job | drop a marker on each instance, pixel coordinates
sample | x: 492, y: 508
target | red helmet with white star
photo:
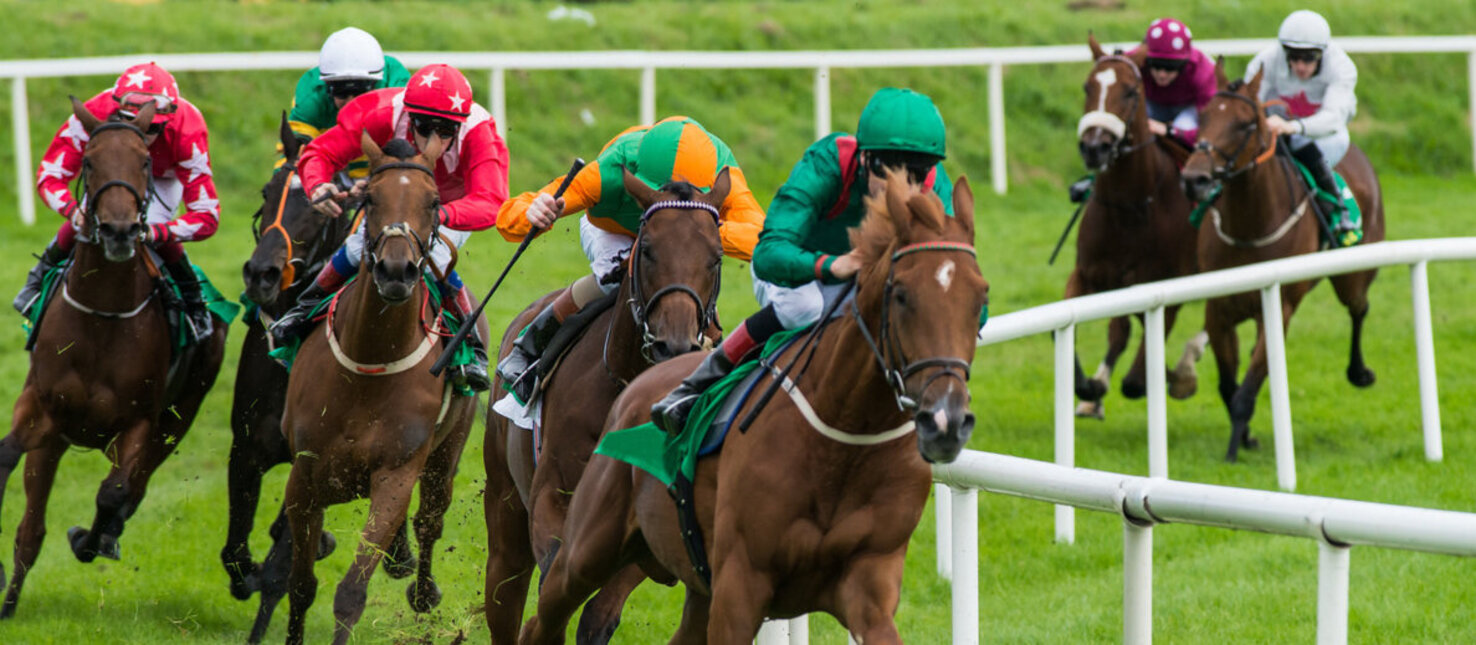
x: 143, y: 83
x: 439, y: 90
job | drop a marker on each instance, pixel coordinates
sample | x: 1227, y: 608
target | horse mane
x: 399, y: 149
x: 682, y: 190
x: 877, y: 234
x: 1235, y: 85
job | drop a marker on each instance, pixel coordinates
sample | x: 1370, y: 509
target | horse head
x: 922, y: 294
x: 402, y: 215
x: 1233, y: 137
x: 677, y: 253
x: 1115, y: 112
x: 117, y: 156
x: 284, y: 219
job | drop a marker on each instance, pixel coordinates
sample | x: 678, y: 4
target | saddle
x: 563, y: 340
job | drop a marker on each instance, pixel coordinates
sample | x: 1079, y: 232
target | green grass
x: 1211, y: 585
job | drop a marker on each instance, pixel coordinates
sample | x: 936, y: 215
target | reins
x: 141, y: 200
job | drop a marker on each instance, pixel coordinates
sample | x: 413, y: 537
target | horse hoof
x: 1361, y: 378
x: 244, y: 579
x: 1182, y: 388
x: 1134, y: 389
x: 76, y: 536
x: 326, y: 545
x: 398, y: 569
x: 1251, y: 443
x: 1092, y: 410
x: 108, y: 547
x: 1091, y: 390
x: 423, y: 598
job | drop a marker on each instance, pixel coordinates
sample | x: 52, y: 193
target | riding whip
x: 775, y: 380
x: 470, y: 324
x: 1066, y: 232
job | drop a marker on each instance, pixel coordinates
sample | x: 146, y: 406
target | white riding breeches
x: 796, y: 306
x: 1333, y: 146
x: 440, y: 254
x: 605, y: 251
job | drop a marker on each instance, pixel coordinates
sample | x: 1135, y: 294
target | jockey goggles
x: 917, y: 166
x: 425, y: 126
x: 1302, y: 55
x: 350, y: 88
x: 1166, y: 64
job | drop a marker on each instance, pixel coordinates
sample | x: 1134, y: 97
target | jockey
x: 804, y: 256
x: 350, y: 63
x: 674, y: 149
x: 179, y: 157
x: 1183, y: 80
x: 1316, y: 79
x: 471, y: 175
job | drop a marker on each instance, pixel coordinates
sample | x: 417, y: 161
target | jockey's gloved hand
x: 325, y: 198
x: 157, y: 234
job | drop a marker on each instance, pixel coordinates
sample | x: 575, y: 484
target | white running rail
x: 497, y: 64
x: 1335, y: 524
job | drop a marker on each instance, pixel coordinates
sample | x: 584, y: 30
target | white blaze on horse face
x: 1106, y: 79
x: 404, y: 181
x: 945, y: 275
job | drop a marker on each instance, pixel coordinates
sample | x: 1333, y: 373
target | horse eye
x: 899, y: 296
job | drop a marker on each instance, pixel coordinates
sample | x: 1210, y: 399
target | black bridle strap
x: 640, y: 306
x: 402, y: 228
x: 140, y: 198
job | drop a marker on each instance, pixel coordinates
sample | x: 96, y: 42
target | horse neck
x: 105, y: 285
x: 1259, y: 200
x: 623, y: 357
x: 1138, y: 175
x: 371, y: 330
x: 846, y: 386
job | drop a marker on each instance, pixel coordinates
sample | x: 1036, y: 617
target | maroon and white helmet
x: 1169, y: 39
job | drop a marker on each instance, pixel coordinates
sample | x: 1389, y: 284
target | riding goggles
x: 349, y: 89
x: 916, y: 166
x: 425, y: 126
x: 1166, y: 64
x: 1303, y: 55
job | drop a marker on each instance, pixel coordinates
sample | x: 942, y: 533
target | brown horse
x: 1136, y: 225
x: 676, y: 259
x: 293, y: 241
x: 100, y: 367
x: 800, y: 516
x: 364, y: 416
x: 1264, y: 204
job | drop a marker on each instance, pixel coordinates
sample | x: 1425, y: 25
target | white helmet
x: 1304, y: 29
x: 350, y: 54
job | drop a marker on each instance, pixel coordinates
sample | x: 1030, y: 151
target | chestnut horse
x: 293, y: 241
x: 99, y: 374
x: 797, y: 515
x: 1261, y: 216
x: 671, y: 287
x: 364, y: 416
x: 1136, y: 225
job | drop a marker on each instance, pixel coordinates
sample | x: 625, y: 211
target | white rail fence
x: 1335, y: 524
x: 821, y: 62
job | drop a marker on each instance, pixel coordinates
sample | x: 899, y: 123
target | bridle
x: 641, y: 306
x: 325, y: 236
x: 403, y: 229
x: 141, y: 198
x: 1229, y: 170
x: 1113, y: 123
x: 889, y: 353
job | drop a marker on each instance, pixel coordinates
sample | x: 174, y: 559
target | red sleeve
x: 332, y: 150
x: 63, y: 158
x: 484, y: 173
x: 191, y: 150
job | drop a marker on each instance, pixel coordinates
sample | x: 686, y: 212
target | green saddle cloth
x: 223, y: 309
x: 666, y: 457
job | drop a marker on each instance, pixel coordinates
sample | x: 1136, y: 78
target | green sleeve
x: 943, y: 188
x: 311, y: 106
x: 395, y: 74
x: 814, y: 184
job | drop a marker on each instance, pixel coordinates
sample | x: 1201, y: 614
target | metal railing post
x: 1332, y: 594
x: 965, y: 502
x: 1137, y: 583
x: 1065, y: 369
x: 943, y: 530
x: 1425, y: 359
x: 996, y: 127
x: 20, y: 120
x: 499, y: 100
x: 1471, y: 90
x: 1286, y: 459
x: 1158, y: 461
x: 822, y: 102
x: 648, y: 95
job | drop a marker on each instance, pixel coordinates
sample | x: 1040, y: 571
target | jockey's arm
x: 780, y: 256
x: 582, y: 193
x: 484, y: 159
x: 742, y: 218
x: 202, y: 205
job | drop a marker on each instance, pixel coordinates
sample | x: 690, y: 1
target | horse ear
x: 643, y: 194
x: 290, y: 143
x: 371, y: 149
x: 719, y: 191
x: 1254, y: 86
x: 900, y: 213
x: 963, y: 205
x: 89, y: 122
x: 433, y: 149
x: 1221, y: 81
x: 144, y: 117
x: 1097, y: 52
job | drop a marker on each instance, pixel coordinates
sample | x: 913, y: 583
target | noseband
x: 1229, y: 170
x: 641, y: 307
x: 1112, y: 122
x: 324, y: 236
x: 403, y: 229
x: 140, y: 197
x: 890, y: 352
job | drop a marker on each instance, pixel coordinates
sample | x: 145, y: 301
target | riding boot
x: 1344, y: 230
x: 196, y: 314
x: 670, y: 413
x: 517, y: 369
x: 48, y: 260
x: 297, y: 322
x: 474, y: 374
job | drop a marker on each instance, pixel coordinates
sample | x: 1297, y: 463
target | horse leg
x: 601, y: 614
x: 1352, y: 290
x: 1243, y: 402
x: 271, y: 578
x: 399, y: 559
x: 1226, y: 347
x: 693, y: 629
x: 868, y: 597
x: 138, y: 452
x: 40, y: 474
x: 509, y: 552
x: 244, y: 493
x: 389, y: 499
x: 1118, y: 331
x: 1183, y: 380
x: 436, y: 481
x: 1135, y: 383
x: 305, y: 519
x: 1090, y: 392
x: 739, y: 596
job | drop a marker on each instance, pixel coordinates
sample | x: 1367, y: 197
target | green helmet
x: 901, y: 119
